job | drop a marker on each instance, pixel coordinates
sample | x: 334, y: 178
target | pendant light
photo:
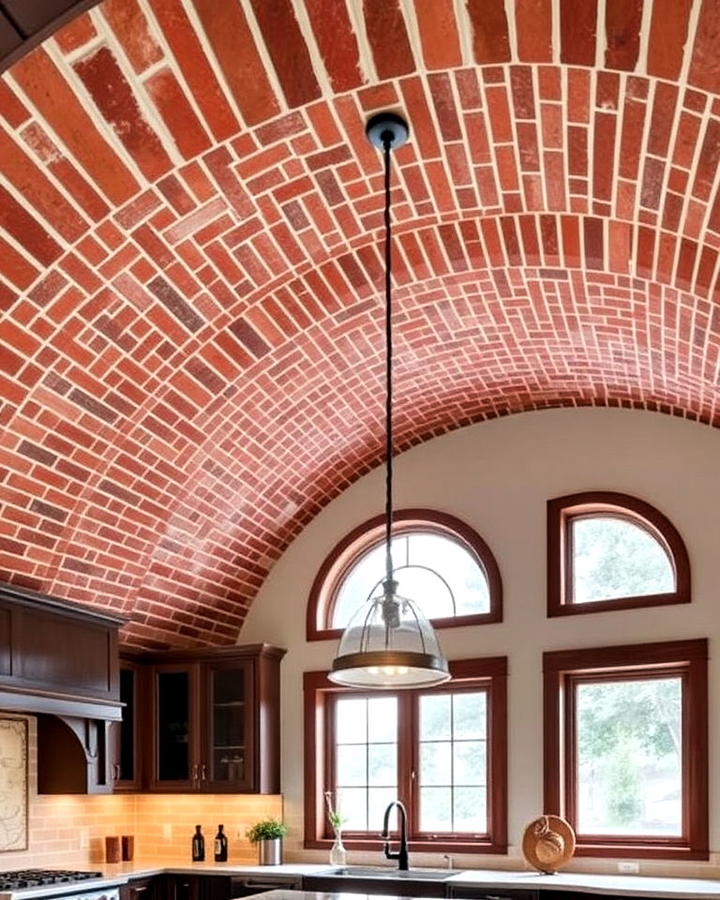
x: 388, y: 643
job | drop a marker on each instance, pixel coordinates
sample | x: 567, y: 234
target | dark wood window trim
x: 346, y: 552
x: 562, y: 670
x: 491, y: 674
x: 560, y: 513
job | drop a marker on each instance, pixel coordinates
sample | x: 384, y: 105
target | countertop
x: 627, y: 885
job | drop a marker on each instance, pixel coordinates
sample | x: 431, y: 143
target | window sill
x: 623, y: 850
x: 454, y: 845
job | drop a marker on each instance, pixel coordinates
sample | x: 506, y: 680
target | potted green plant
x: 268, y: 835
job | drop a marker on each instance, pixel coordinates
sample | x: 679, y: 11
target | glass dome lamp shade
x: 388, y: 644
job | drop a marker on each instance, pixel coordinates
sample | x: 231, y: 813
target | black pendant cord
x: 387, y: 143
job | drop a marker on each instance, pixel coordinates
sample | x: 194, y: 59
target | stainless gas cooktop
x: 22, y: 878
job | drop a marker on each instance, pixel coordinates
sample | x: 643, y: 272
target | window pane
x: 469, y: 715
x: 351, y: 765
x: 382, y: 719
x: 351, y: 721
x: 352, y: 803
x: 615, y: 558
x: 359, y: 582
x: 435, y: 809
x: 453, y: 768
x: 435, y: 717
x: 434, y: 570
x: 629, y: 762
x: 466, y: 579
x: 427, y: 589
x: 436, y: 763
x: 379, y: 800
x: 469, y: 763
x: 382, y: 764
x: 470, y: 810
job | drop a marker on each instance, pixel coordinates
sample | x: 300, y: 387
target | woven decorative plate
x: 548, y: 843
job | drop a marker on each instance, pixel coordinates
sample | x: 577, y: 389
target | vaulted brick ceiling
x: 190, y: 271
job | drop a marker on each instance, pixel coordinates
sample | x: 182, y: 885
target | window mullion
x: 405, y: 751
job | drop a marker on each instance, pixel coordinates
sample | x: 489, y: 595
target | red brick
x: 229, y: 34
x: 11, y: 108
x: 288, y: 51
x: 491, y: 43
x: 196, y: 69
x: 336, y: 42
x: 438, y: 33
x: 388, y: 39
x: 54, y: 99
x: 121, y: 110
x: 177, y: 114
x: 704, y: 72
x: 131, y: 29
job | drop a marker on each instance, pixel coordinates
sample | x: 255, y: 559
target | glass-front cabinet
x: 126, y: 763
x: 215, y: 720
x: 229, y: 747
x: 174, y: 690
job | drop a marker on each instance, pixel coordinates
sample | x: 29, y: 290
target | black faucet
x: 402, y: 854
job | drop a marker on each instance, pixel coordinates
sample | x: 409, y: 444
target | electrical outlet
x: 84, y: 834
x: 628, y: 868
x: 167, y: 832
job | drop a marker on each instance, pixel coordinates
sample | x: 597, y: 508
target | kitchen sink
x: 388, y: 872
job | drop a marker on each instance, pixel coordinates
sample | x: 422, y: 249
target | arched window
x: 611, y: 551
x: 440, y: 562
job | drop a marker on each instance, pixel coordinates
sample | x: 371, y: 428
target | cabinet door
x: 126, y: 768
x: 489, y: 893
x: 140, y: 889
x: 228, y: 758
x: 175, y: 758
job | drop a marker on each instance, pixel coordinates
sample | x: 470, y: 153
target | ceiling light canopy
x: 388, y: 643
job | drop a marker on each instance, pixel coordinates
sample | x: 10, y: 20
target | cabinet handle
x: 117, y: 777
x: 194, y: 775
x: 204, y: 772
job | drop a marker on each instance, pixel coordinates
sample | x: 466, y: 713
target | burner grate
x: 11, y: 881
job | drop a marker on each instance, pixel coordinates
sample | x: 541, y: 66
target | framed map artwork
x: 13, y: 784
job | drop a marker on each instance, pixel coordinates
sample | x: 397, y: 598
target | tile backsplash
x: 70, y: 829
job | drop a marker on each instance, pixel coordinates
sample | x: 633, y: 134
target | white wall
x: 497, y: 476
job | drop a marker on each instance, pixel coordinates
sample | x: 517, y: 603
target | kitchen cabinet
x: 197, y: 887
x: 57, y: 657
x: 492, y: 893
x: 396, y: 887
x: 215, y: 720
x: 126, y: 736
x: 223, y: 887
x: 143, y: 889
x: 74, y: 755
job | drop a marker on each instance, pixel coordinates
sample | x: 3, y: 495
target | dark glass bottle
x: 221, y: 845
x: 198, y: 845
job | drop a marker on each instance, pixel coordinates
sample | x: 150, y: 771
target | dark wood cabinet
x: 57, y: 657
x: 396, y: 887
x: 494, y: 893
x: 215, y: 720
x: 127, y: 735
x: 143, y: 889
